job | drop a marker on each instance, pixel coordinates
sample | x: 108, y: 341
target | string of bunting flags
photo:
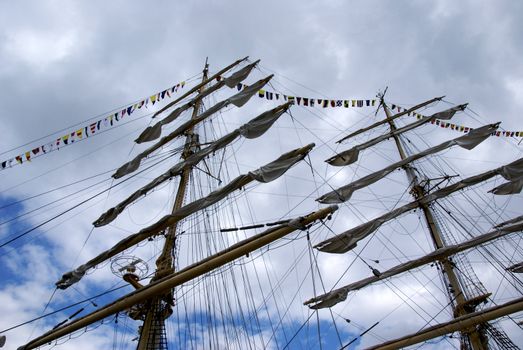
x: 109, y: 121
x: 331, y: 103
x: 91, y: 129
x: 310, y: 102
x: 456, y: 127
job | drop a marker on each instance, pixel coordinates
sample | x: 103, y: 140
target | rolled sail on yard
x: 198, y: 86
x: 348, y: 240
x: 395, y: 116
x: 254, y: 128
x: 350, y: 156
x: 468, y: 141
x: 266, y: 173
x: 153, y: 132
x: 241, y: 97
x: 340, y: 294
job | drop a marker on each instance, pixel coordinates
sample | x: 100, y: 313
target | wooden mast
x: 458, y: 324
x: 200, y: 85
x: 166, y: 284
x: 165, y: 263
x: 395, y: 116
x: 456, y: 292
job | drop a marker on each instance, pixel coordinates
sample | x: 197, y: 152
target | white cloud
x: 61, y: 63
x: 39, y: 49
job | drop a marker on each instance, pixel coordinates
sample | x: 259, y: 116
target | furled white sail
x: 340, y: 294
x: 269, y: 172
x: 240, y: 75
x: 153, y: 132
x: 511, y: 187
x: 198, y: 86
x: 243, y: 96
x: 516, y: 268
x: 348, y: 240
x: 254, y: 128
x: 395, y: 116
x: 468, y: 141
x: 449, y: 113
x: 511, y: 221
x: 350, y: 156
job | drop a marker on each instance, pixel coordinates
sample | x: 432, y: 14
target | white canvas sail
x: 468, y: 141
x: 350, y: 156
x: 266, y: 173
x: 347, y: 240
x: 243, y: 96
x: 255, y: 128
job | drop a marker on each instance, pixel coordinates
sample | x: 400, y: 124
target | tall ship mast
x: 271, y: 237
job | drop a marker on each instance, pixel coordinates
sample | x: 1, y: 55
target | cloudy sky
x: 65, y: 63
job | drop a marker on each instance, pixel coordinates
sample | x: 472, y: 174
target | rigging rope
x: 19, y: 235
x: 62, y: 309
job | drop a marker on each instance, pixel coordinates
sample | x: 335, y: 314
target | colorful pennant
x: 88, y: 130
x: 456, y: 127
x: 110, y: 120
x: 310, y: 102
x: 325, y: 103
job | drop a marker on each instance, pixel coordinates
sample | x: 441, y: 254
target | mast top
x: 206, y: 66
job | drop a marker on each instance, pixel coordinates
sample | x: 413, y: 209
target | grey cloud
x: 74, y: 60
